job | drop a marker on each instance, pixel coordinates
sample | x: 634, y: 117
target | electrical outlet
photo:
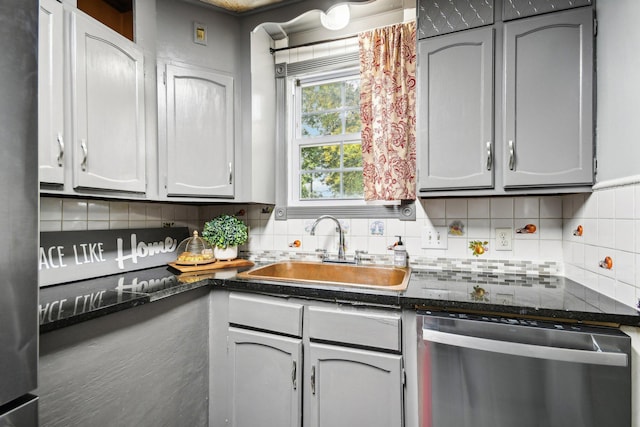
x: 434, y: 237
x: 504, y: 239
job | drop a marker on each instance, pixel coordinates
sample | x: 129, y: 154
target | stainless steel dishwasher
x: 488, y: 371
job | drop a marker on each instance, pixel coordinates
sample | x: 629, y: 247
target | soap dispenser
x: 399, y: 254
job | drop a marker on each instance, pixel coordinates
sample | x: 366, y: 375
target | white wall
x: 174, y: 21
x: 611, y: 222
x: 618, y: 89
x: 611, y: 215
x: 259, y: 163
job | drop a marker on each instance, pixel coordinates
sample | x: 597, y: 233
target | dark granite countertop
x: 510, y: 295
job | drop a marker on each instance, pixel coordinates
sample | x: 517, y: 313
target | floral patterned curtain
x: 388, y: 111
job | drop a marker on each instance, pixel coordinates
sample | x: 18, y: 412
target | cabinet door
x: 50, y: 98
x: 199, y: 132
x: 436, y: 18
x: 353, y: 387
x: 548, y: 100
x: 264, y: 379
x: 455, y: 121
x: 516, y: 9
x: 109, y: 149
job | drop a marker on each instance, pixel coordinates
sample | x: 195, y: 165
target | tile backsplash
x: 610, y: 220
x: 61, y: 214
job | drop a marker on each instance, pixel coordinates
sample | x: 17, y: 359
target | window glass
x: 329, y: 162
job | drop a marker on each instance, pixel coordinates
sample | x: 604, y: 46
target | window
x: 327, y: 157
x: 319, y: 164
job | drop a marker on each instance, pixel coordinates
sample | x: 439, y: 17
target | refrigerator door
x: 19, y: 196
x: 24, y: 413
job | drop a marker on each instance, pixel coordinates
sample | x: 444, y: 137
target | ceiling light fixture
x: 337, y: 18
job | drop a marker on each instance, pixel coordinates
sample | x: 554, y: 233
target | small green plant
x: 224, y: 231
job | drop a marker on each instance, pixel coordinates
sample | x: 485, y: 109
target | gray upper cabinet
x: 108, y: 109
x: 514, y: 9
x: 51, y: 140
x: 442, y: 17
x: 455, y: 125
x: 548, y: 100
x: 508, y: 109
x: 199, y: 113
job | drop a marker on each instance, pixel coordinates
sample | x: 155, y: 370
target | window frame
x: 286, y: 207
x: 296, y: 141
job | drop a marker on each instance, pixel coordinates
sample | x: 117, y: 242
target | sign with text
x: 66, y: 256
x: 73, y: 299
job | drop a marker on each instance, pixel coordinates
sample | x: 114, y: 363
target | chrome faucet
x: 341, y: 245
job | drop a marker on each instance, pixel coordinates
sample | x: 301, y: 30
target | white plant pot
x: 226, y: 254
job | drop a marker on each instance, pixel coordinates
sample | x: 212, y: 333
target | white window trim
x: 285, y: 72
x: 295, y: 140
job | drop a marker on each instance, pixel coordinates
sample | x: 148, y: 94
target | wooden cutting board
x: 238, y: 262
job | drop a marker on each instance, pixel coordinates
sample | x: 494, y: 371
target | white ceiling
x: 365, y: 14
x: 240, y: 6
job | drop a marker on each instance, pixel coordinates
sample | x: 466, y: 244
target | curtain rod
x: 272, y: 50
x: 353, y: 36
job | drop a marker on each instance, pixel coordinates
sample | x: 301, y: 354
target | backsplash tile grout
x: 610, y: 219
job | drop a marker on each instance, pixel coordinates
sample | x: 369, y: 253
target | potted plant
x: 224, y: 233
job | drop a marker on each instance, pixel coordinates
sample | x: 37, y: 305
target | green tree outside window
x: 330, y: 167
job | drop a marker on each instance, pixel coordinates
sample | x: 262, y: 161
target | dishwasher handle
x: 527, y: 350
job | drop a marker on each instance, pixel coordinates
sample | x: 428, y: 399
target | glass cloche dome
x: 194, y: 250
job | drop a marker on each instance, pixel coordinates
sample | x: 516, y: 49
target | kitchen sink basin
x: 323, y: 273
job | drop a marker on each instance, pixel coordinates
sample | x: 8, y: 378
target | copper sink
x: 323, y: 273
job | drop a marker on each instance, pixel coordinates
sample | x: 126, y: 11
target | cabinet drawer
x: 266, y: 313
x: 368, y: 328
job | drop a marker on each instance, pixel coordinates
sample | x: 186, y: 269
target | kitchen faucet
x: 341, y: 245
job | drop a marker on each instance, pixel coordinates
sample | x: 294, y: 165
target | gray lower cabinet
x: 351, y: 373
x: 455, y: 128
x: 199, y: 113
x: 264, y: 379
x: 548, y: 100
x: 354, y: 387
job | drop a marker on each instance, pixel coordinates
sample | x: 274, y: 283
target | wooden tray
x: 238, y: 262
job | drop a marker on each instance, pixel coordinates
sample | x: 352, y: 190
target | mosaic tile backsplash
x: 609, y: 221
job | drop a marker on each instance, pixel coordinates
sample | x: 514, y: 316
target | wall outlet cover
x: 434, y: 237
x: 504, y: 239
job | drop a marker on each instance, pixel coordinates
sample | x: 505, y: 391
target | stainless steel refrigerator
x: 18, y: 212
